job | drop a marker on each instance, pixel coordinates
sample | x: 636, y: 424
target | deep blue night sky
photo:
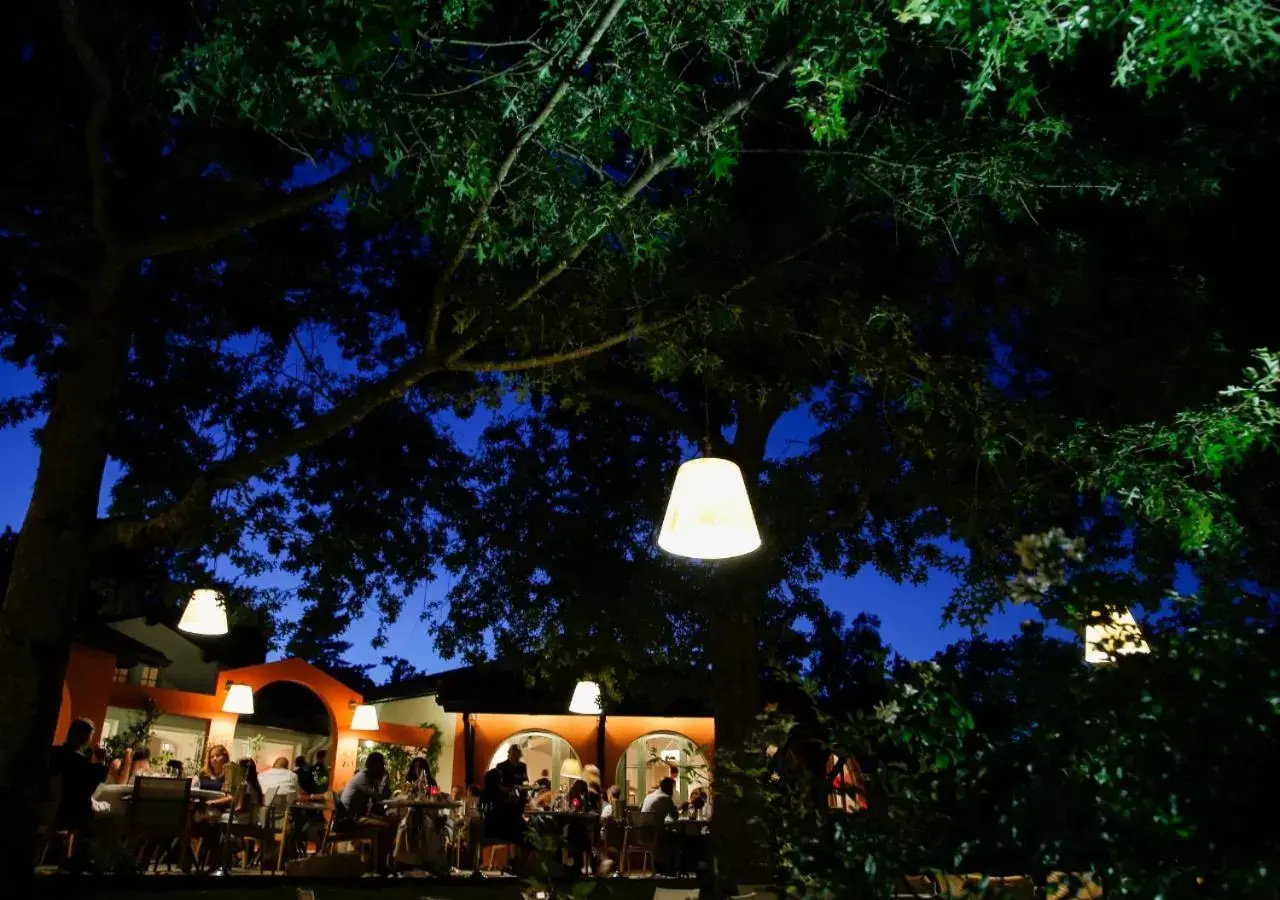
x: 910, y: 616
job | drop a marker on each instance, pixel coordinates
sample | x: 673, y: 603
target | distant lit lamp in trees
x: 239, y: 699
x: 206, y: 614
x: 1112, y: 633
x: 363, y: 717
x: 709, y: 513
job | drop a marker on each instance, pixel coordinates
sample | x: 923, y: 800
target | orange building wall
x: 86, y: 689
x: 89, y: 689
x: 620, y: 732
x: 491, y: 730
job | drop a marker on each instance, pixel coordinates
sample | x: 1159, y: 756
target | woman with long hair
x: 419, y: 769
x: 583, y: 797
x: 213, y: 777
x: 251, y: 799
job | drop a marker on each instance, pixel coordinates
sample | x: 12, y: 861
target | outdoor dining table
x: 125, y: 791
x: 420, y: 841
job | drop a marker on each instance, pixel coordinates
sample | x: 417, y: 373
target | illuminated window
x: 121, y: 676
x: 150, y: 674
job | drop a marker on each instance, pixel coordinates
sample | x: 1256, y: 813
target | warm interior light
x: 1112, y: 634
x: 586, y: 699
x: 205, y: 614
x: 571, y: 768
x: 709, y: 514
x: 365, y: 718
x: 239, y: 700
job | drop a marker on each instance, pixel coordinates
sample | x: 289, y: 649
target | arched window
x: 655, y: 756
x: 544, y: 754
x: 845, y: 780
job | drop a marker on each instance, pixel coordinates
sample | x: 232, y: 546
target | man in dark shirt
x: 306, y: 781
x: 514, y: 772
x: 320, y: 771
x: 76, y: 777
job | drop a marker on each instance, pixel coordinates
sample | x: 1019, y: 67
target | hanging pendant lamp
x: 206, y: 614
x: 709, y: 514
x: 1112, y: 634
x: 239, y: 700
x: 586, y: 699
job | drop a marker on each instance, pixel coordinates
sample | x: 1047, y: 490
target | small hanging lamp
x: 206, y: 614
x: 1111, y: 634
x: 586, y: 699
x: 239, y: 700
x: 364, y: 718
x: 709, y: 514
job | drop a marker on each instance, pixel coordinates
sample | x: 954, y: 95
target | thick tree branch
x: 289, y: 204
x: 646, y: 399
x: 643, y: 180
x: 168, y: 524
x: 94, y: 149
x: 565, y: 356
x: 441, y: 290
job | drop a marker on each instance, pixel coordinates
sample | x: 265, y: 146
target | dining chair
x: 612, y: 835
x: 160, y: 809
x: 259, y: 829
x: 641, y: 836
x: 342, y: 829
x: 47, y: 827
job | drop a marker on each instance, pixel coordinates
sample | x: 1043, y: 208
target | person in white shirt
x: 613, y: 804
x: 660, y: 800
x: 280, y: 779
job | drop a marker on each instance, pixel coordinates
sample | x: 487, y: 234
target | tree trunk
x: 735, y: 692
x: 51, y: 568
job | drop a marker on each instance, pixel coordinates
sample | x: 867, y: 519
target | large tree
x: 167, y: 258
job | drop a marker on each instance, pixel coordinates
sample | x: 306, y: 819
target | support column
x: 469, y: 747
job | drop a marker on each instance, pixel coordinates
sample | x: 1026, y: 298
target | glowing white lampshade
x: 586, y: 699
x: 365, y: 718
x: 709, y: 514
x: 205, y: 614
x: 1111, y: 635
x: 239, y: 700
x: 571, y: 768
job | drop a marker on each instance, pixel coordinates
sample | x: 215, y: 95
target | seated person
x: 75, y: 778
x: 279, y: 782
x: 174, y: 766
x: 660, y: 800
x: 361, y: 801
x: 419, y: 775
x: 577, y: 832
x: 612, y: 808
x: 542, y: 801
